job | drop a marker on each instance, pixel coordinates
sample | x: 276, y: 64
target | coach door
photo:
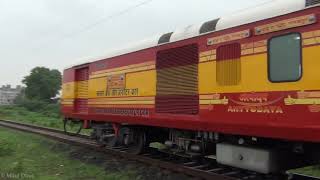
x: 177, y: 81
x: 81, y: 102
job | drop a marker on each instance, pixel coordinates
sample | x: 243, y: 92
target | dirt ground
x: 117, y: 164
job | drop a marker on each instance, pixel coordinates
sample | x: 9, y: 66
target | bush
x: 32, y: 104
x: 51, y: 110
x: 46, y: 118
x: 40, y: 106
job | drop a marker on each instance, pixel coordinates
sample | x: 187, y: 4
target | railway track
x: 206, y: 170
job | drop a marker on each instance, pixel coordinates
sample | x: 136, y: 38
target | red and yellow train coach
x: 246, y: 85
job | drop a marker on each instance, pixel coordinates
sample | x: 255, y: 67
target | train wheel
x: 72, y: 127
x: 133, y: 139
x: 109, y: 140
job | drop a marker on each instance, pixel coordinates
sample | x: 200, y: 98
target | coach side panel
x: 249, y: 101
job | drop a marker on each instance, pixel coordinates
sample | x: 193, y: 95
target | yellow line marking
x: 223, y: 101
x: 310, y: 41
x: 308, y: 101
x: 125, y: 67
x: 121, y: 102
x: 144, y: 68
x: 260, y: 49
x: 123, y: 99
x: 123, y: 106
x: 247, y: 51
x: 207, y: 58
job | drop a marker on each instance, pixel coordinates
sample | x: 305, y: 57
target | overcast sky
x: 57, y: 33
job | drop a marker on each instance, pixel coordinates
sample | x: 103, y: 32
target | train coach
x: 243, y: 89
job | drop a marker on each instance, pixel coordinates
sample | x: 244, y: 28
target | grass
x: 27, y: 156
x: 42, y: 118
x: 21, y: 114
x: 311, y: 171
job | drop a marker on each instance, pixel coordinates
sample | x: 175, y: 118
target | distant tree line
x: 42, y: 86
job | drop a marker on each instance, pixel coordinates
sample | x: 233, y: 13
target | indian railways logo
x: 116, y: 87
x: 255, y: 103
x: 116, y: 81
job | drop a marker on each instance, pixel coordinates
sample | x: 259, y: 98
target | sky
x: 58, y: 33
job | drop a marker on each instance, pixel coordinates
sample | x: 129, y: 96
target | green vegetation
x: 42, y: 84
x: 27, y: 156
x: 36, y: 104
x: 46, y: 117
x: 311, y: 171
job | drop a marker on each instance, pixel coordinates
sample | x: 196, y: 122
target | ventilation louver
x: 165, y: 38
x: 209, y: 26
x: 312, y: 3
x: 229, y: 65
x: 81, y: 101
x: 177, y: 80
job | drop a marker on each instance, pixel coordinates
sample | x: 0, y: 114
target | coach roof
x: 267, y: 10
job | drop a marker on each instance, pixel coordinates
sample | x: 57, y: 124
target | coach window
x: 285, y: 58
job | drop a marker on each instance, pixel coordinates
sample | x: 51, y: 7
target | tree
x: 42, y: 84
x: 20, y: 97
